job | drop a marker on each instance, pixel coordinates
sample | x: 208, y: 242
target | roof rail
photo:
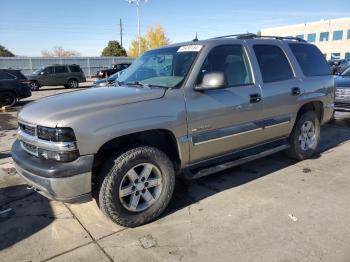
x: 252, y: 36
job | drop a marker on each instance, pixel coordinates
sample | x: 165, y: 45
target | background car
x: 342, y: 91
x: 109, y: 81
x: 67, y: 75
x: 13, y: 87
x: 338, y: 66
x: 112, y: 70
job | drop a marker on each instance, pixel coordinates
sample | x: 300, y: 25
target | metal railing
x: 90, y: 65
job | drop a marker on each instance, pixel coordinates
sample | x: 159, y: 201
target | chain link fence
x: 90, y: 65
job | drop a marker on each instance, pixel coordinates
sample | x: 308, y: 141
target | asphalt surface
x: 272, y: 209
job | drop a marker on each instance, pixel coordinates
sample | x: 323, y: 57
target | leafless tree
x: 59, y: 51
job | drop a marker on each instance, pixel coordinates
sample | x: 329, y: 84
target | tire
x: 34, y: 86
x: 305, y: 137
x: 7, y: 99
x: 72, y: 83
x: 117, y: 187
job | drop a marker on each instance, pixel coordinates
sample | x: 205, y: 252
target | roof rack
x: 252, y: 36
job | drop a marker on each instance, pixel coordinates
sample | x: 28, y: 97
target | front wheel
x: 136, y: 186
x: 305, y: 136
x: 34, y: 86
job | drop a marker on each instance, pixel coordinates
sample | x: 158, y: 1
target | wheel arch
x: 162, y: 139
x: 314, y: 106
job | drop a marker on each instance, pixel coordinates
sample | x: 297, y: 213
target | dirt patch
x: 8, y: 121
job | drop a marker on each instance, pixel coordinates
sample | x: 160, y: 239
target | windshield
x: 36, y: 72
x: 166, y: 67
x: 346, y: 72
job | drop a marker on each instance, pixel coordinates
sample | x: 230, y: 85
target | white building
x: 332, y: 37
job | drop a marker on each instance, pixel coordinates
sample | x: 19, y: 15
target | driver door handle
x: 255, y: 98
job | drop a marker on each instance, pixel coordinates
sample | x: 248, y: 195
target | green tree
x: 4, y: 52
x: 113, y: 48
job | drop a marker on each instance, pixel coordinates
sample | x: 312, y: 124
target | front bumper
x: 66, y: 182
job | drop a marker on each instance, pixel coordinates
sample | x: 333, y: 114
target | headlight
x: 57, y: 155
x: 100, y: 73
x: 61, y: 134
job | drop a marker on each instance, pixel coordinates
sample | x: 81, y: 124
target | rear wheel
x: 7, y: 99
x: 305, y: 136
x: 72, y: 83
x: 34, y: 86
x: 136, y: 186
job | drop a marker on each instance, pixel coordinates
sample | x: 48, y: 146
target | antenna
x: 195, y: 38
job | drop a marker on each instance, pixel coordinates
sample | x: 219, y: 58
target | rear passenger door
x: 61, y: 75
x: 280, y: 88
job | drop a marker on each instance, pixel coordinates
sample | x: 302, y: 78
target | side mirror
x: 212, y: 81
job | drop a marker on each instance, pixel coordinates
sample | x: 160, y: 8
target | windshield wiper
x: 134, y: 83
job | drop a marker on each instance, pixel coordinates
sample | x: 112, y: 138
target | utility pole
x: 137, y: 2
x: 121, y: 32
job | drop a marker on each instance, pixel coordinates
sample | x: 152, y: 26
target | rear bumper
x: 24, y: 92
x: 66, y: 182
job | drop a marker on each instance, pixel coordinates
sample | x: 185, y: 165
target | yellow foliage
x: 134, y: 47
x: 155, y: 37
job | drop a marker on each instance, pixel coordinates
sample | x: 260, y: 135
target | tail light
x: 23, y: 81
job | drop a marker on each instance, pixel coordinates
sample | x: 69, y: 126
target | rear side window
x: 273, y: 63
x: 6, y: 76
x: 310, y: 59
x: 74, y: 68
x: 61, y: 69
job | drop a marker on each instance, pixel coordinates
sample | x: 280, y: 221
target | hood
x: 53, y: 110
x: 342, y: 81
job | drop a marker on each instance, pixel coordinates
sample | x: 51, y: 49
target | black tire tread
x: 106, y: 184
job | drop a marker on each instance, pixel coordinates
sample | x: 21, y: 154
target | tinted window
x: 338, y: 35
x: 310, y: 59
x: 311, y: 37
x: 335, y: 56
x: 6, y: 76
x: 230, y: 60
x: 273, y: 63
x: 348, y: 34
x: 300, y: 36
x: 61, y: 69
x: 48, y: 70
x: 347, y: 56
x: 75, y: 68
x: 324, y: 36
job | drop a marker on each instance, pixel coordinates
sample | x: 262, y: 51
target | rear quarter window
x: 310, y: 59
x: 6, y: 76
x: 74, y: 69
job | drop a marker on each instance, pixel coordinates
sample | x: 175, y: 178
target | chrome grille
x: 28, y: 129
x: 342, y: 93
x: 29, y: 148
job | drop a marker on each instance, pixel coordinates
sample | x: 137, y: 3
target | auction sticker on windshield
x: 190, y: 48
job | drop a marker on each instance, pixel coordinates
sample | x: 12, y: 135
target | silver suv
x: 189, y: 109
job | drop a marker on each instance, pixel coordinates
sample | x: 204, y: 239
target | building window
x: 347, y: 56
x: 311, y: 37
x: 324, y: 36
x: 338, y: 35
x: 300, y: 36
x: 335, y: 56
x: 348, y: 34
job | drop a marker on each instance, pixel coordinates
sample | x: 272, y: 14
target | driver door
x: 224, y: 120
x: 46, y: 76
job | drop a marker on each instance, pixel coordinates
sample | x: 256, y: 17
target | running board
x: 189, y: 174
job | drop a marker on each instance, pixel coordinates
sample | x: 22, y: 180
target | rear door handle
x: 255, y: 98
x: 296, y: 91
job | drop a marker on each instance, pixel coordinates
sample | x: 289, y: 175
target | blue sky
x: 28, y: 27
